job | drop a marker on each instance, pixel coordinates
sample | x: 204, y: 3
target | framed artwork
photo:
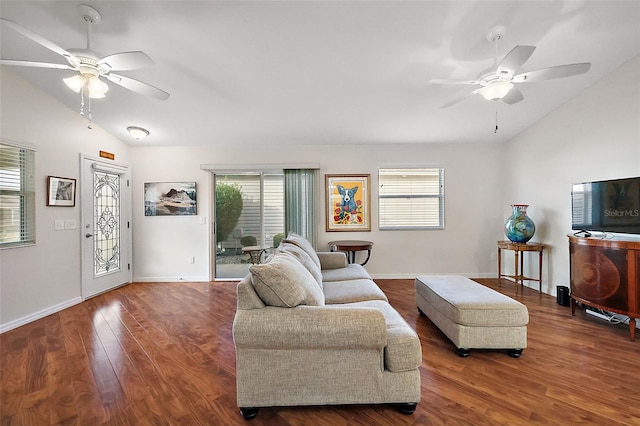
x: 347, y: 203
x: 61, y: 192
x: 169, y: 198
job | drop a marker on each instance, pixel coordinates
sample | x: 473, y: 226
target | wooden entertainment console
x: 605, y: 274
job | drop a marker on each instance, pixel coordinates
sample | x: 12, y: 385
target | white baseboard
x: 169, y: 279
x: 37, y: 315
x: 411, y: 276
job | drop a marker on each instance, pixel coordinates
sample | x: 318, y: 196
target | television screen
x: 607, y: 206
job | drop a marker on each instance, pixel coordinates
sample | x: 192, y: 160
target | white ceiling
x: 325, y: 72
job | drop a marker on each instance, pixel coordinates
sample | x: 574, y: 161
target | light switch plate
x: 58, y: 225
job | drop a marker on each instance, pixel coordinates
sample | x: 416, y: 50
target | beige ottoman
x: 471, y: 315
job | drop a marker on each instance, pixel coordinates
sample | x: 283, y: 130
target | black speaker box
x: 563, y: 295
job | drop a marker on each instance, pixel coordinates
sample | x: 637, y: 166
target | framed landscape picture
x: 169, y: 198
x: 347, y: 203
x: 61, y: 191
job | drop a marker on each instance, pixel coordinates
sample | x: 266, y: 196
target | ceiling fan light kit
x: 95, y: 88
x: 495, y: 90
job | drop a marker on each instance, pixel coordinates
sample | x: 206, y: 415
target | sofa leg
x: 464, y: 352
x: 249, y: 413
x: 407, y: 408
x: 514, y: 353
x: 420, y: 312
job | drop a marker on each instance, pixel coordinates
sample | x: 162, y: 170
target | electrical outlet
x: 58, y: 225
x: 494, y: 257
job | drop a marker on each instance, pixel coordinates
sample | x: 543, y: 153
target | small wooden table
x: 351, y: 247
x: 519, y: 276
x: 255, y: 253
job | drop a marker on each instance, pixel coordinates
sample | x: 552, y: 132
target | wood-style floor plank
x: 163, y: 354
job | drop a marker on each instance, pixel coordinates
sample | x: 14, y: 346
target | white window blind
x: 411, y: 198
x: 17, y: 196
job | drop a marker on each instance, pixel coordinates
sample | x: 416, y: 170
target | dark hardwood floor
x: 163, y: 354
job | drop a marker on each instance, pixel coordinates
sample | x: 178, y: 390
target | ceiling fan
x: 89, y: 65
x: 498, y: 82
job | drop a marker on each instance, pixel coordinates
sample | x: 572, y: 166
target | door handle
x: 87, y: 235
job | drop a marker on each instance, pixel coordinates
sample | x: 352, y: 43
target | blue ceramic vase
x: 519, y: 227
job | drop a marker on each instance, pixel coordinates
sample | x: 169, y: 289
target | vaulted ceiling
x: 323, y: 72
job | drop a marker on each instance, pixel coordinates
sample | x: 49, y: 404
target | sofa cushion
x: 403, y: 351
x: 305, y: 245
x: 303, y: 258
x: 350, y: 272
x: 284, y: 282
x: 352, y: 291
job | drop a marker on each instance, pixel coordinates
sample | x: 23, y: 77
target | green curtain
x: 299, y: 203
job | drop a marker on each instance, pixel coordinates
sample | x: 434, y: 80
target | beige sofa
x: 311, y: 330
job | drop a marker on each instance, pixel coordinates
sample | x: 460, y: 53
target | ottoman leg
x: 464, y: 352
x: 514, y: 353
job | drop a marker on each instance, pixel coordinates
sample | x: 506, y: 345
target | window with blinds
x: 411, y: 198
x: 17, y: 196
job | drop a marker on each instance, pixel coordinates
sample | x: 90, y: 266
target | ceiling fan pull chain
x: 82, y: 101
x: 89, y: 114
x: 496, y: 130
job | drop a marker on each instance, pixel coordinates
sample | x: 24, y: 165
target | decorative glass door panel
x: 107, y: 222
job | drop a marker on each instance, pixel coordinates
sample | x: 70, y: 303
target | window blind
x: 17, y: 196
x: 411, y: 198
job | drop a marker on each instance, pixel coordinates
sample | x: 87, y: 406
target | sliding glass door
x: 249, y: 214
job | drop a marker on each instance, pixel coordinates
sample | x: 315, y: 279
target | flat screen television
x: 606, y: 206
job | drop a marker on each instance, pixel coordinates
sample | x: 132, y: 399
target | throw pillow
x: 285, y: 282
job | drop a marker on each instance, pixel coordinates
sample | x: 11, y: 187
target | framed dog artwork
x: 347, y: 203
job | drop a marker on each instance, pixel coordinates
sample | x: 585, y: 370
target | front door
x: 106, y: 230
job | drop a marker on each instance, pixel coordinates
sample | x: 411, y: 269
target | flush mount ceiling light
x: 137, y: 132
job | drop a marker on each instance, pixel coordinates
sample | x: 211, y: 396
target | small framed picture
x: 61, y: 192
x: 347, y: 203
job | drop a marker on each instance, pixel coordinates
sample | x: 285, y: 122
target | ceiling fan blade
x: 41, y: 41
x: 515, y: 59
x: 34, y: 64
x: 550, y: 73
x: 513, y: 96
x: 138, y: 86
x: 126, y: 61
x: 446, y: 81
x: 456, y: 100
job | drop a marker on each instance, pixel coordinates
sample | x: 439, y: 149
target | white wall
x: 594, y: 136
x: 41, y: 279
x: 162, y: 245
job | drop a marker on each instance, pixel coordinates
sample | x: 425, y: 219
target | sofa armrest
x: 310, y: 327
x: 332, y: 259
